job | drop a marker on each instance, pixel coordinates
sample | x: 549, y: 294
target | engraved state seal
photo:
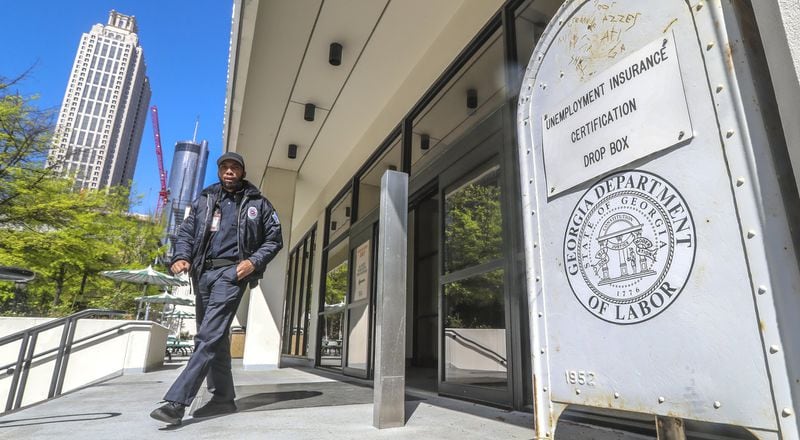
x: 629, y: 247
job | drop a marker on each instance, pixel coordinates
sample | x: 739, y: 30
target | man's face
x: 230, y: 174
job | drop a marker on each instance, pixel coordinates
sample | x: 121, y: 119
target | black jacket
x: 259, y: 235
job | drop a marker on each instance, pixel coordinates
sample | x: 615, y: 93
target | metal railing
x: 27, y: 353
x: 476, y: 346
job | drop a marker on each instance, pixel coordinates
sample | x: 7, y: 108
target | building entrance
x: 460, y: 341
x: 422, y: 366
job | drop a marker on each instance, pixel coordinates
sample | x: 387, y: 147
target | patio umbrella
x: 146, y: 277
x: 165, y: 298
x: 180, y: 314
x: 162, y: 298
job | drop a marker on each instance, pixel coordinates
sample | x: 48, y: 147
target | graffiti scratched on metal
x: 596, y: 34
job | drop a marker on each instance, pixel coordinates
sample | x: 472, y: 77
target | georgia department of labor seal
x: 629, y: 247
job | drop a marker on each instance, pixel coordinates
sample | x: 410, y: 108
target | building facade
x: 430, y: 89
x: 102, y: 117
x: 186, y: 179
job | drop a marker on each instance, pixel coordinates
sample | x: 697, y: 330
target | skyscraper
x: 186, y: 178
x: 102, y: 117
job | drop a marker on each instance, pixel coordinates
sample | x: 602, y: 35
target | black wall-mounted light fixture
x: 335, y: 54
x: 309, y: 112
x: 347, y: 211
x: 424, y: 141
x: 292, y: 151
x: 472, y: 99
x: 333, y: 225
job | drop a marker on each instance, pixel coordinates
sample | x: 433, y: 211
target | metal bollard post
x: 390, y: 325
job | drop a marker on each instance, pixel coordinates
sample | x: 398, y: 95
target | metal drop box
x: 660, y: 210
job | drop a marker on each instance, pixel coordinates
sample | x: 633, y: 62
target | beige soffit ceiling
x: 286, y: 62
x: 408, y: 51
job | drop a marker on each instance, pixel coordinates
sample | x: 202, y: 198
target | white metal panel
x: 582, y: 135
x: 641, y: 282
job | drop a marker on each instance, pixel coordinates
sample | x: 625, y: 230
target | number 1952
x: 580, y: 377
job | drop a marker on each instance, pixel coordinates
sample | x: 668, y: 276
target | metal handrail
x: 477, y: 347
x: 22, y: 366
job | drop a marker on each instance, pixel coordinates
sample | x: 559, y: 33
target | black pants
x: 217, y: 297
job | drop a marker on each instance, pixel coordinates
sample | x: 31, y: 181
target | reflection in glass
x: 531, y: 19
x: 307, y: 306
x: 336, y: 278
x: 475, y: 331
x: 290, y: 292
x: 298, y: 297
x: 332, y: 317
x: 340, y: 217
x: 369, y: 189
x: 473, y: 222
x: 447, y: 117
x: 357, y: 338
x: 297, y: 302
x: 331, y: 343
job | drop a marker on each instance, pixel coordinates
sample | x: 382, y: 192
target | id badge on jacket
x: 215, y: 220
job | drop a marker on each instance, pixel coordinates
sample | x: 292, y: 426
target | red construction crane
x: 164, y: 193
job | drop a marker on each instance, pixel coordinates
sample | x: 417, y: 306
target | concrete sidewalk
x: 276, y: 404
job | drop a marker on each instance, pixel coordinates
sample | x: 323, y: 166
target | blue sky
x: 185, y: 48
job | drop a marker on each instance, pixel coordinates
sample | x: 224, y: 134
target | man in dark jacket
x: 230, y: 235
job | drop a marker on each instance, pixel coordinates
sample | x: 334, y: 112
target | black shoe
x: 170, y: 413
x: 215, y: 408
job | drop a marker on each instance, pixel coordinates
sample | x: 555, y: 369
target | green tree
x: 336, y: 284
x: 25, y: 133
x: 473, y: 228
x: 474, y: 236
x: 66, y: 236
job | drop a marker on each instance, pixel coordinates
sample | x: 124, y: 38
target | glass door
x: 474, y: 360
x: 358, y: 310
x: 331, y: 317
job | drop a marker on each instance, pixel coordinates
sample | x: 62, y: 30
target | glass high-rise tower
x: 186, y: 180
x: 102, y: 117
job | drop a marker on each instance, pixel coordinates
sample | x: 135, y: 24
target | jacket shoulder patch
x: 252, y: 212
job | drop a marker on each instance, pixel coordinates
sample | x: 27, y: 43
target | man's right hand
x: 180, y: 266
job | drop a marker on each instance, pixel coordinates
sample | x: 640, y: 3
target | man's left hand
x: 244, y: 268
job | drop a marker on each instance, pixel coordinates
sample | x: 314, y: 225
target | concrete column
x: 262, y: 348
x: 390, y: 321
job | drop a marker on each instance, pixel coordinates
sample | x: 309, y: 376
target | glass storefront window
x: 369, y: 188
x: 331, y: 344
x: 358, y: 334
x: 470, y: 96
x: 298, y: 297
x: 473, y: 222
x: 531, y: 19
x: 291, y: 289
x: 339, y: 221
x: 336, y: 278
x: 475, y: 331
x: 333, y: 306
x: 472, y: 282
x: 358, y: 304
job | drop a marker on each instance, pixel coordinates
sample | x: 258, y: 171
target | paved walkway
x: 276, y: 404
